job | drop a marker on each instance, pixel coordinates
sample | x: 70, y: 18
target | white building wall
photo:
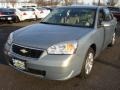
x: 118, y: 4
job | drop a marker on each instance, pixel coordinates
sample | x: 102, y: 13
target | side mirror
x: 105, y: 24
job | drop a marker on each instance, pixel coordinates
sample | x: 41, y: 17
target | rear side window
x: 108, y: 15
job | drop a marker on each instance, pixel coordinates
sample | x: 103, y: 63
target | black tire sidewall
x: 83, y: 71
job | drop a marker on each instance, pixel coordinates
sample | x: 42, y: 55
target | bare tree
x: 68, y: 2
x: 112, y: 2
x: 13, y: 2
x: 39, y: 2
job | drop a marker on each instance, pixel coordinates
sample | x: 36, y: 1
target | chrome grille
x: 27, y: 52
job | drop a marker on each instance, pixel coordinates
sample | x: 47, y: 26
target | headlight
x: 63, y: 48
x: 10, y: 38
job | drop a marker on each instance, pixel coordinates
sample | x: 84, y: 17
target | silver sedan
x: 64, y: 44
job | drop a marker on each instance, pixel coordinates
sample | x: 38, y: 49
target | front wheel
x: 88, y: 63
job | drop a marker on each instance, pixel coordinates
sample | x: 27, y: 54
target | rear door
x: 109, y: 30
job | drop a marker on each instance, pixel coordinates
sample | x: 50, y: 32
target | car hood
x: 45, y: 35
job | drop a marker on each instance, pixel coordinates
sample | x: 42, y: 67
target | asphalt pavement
x: 105, y: 74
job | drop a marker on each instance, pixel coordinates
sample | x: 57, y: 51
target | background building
x: 84, y: 2
x: 15, y: 3
x: 20, y: 3
x: 118, y: 3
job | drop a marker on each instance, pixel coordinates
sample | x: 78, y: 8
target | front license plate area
x: 9, y: 18
x: 19, y: 64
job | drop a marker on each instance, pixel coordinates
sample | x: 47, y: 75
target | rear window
x: 4, y: 10
x: 13, y: 10
x: 41, y: 8
x: 25, y: 9
x: 31, y: 9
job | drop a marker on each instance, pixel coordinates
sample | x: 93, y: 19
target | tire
x: 36, y: 18
x: 113, y: 40
x: 9, y: 22
x: 87, y: 64
x: 17, y: 20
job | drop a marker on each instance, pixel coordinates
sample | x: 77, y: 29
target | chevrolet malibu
x: 64, y: 44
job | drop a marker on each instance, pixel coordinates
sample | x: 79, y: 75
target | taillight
x: 24, y: 14
x: 34, y: 13
x: 41, y: 11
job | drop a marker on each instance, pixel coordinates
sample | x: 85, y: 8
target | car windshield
x: 81, y: 17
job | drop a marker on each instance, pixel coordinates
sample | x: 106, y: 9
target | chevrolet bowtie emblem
x: 24, y: 51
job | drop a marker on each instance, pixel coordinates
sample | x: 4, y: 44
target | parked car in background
x: 40, y: 12
x: 116, y: 12
x: 64, y: 44
x: 24, y: 14
x: 17, y: 13
x: 7, y: 15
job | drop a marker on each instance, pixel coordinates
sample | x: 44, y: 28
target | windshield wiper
x: 45, y: 22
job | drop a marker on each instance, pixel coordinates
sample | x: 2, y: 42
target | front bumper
x: 54, y: 67
x: 8, y: 18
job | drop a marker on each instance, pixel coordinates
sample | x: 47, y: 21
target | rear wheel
x: 36, y: 18
x: 113, y: 39
x: 17, y: 20
x: 88, y: 63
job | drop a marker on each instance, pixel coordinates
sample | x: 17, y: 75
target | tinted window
x: 41, y: 8
x: 114, y: 9
x: 31, y: 9
x: 25, y: 9
x: 13, y: 10
x: 4, y: 10
x: 83, y: 17
x: 108, y: 16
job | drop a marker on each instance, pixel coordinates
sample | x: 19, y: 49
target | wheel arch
x: 93, y: 46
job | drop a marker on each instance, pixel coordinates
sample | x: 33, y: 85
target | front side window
x: 82, y: 17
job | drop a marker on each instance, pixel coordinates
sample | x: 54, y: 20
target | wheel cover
x: 89, y: 63
x: 113, y: 39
